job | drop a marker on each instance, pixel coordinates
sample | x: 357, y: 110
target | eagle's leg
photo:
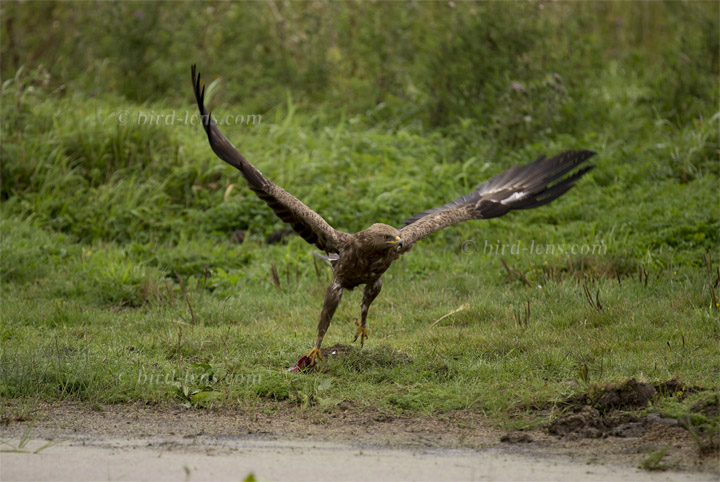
x: 369, y: 295
x: 332, y: 300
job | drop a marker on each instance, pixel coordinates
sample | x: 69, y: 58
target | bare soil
x: 600, y: 414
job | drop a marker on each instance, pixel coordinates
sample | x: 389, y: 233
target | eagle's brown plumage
x: 362, y: 258
x: 306, y: 222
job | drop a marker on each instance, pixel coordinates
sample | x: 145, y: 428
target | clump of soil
x: 673, y: 386
x: 587, y: 422
x: 595, y: 414
x: 629, y: 395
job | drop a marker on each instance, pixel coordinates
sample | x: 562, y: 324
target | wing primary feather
x: 530, y: 179
x: 307, y: 223
x: 521, y: 187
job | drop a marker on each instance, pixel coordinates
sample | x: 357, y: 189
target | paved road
x: 85, y: 458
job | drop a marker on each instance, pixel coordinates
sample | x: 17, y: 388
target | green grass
x: 98, y: 324
x: 653, y: 461
x: 101, y: 213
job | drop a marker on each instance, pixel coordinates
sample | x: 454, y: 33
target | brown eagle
x: 362, y: 258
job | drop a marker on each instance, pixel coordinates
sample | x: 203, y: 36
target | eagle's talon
x: 361, y: 332
x: 314, y: 353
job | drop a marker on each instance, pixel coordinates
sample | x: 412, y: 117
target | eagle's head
x: 382, y: 237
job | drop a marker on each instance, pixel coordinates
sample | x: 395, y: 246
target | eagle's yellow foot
x: 314, y: 353
x: 361, y: 332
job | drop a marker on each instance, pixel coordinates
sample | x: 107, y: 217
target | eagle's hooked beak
x: 397, y: 241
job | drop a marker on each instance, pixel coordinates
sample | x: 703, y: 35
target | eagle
x: 362, y: 258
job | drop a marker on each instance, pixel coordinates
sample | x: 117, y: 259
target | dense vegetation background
x: 456, y: 87
x: 367, y: 111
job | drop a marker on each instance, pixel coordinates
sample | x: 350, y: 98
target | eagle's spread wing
x: 520, y: 187
x: 306, y: 222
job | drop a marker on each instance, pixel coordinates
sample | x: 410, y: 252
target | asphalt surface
x: 89, y: 458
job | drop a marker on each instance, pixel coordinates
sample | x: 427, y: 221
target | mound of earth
x: 587, y: 422
x: 599, y: 412
x: 629, y: 395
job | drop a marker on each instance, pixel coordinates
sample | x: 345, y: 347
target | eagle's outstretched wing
x: 520, y: 187
x: 306, y: 222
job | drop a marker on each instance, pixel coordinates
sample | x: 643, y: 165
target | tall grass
x: 402, y: 62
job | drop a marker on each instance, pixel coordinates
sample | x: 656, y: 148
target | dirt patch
x: 587, y: 422
x: 599, y: 414
x: 346, y: 422
x: 516, y: 438
x: 592, y: 413
x: 709, y: 408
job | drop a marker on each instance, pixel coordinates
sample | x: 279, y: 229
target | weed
x: 653, y: 461
x: 22, y: 445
